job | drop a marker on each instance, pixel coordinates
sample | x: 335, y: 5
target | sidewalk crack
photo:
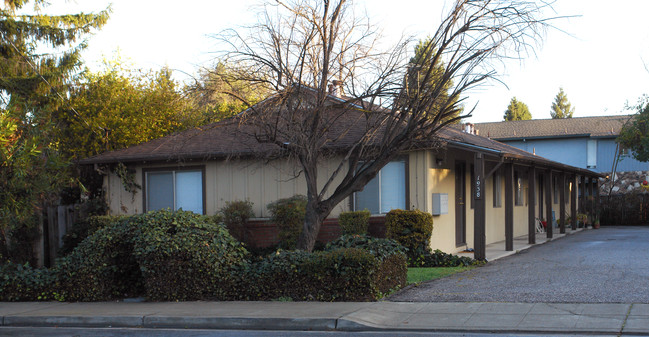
x: 628, y: 313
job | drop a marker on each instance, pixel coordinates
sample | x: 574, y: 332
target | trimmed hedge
x: 355, y: 222
x: 235, y: 215
x: 344, y: 274
x: 163, y: 255
x: 168, y: 256
x: 412, y: 229
x: 80, y: 230
x: 288, y: 215
x: 380, y: 248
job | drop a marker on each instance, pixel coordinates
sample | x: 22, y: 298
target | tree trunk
x: 312, y: 223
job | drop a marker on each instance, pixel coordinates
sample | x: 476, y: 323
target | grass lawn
x: 416, y: 275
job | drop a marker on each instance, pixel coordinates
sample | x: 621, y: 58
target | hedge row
x: 170, y: 256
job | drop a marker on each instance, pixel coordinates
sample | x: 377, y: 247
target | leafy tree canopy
x: 119, y: 106
x: 218, y: 93
x: 561, y: 107
x: 517, y: 111
x: 635, y: 134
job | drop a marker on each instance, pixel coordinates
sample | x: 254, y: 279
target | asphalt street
x: 607, y: 265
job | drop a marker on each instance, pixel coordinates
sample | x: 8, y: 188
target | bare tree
x: 337, y: 97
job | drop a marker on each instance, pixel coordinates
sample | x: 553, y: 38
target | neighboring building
x: 203, y: 168
x: 584, y: 142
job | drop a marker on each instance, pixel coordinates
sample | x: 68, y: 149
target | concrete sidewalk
x: 319, y: 316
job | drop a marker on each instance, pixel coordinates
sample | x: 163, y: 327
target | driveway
x: 607, y: 265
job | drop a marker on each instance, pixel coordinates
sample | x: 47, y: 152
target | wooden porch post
x: 531, y: 219
x: 582, y: 194
x: 591, y: 199
x: 573, y: 202
x: 548, y: 203
x: 562, y: 202
x: 509, y: 207
x: 596, y: 197
x: 479, y: 216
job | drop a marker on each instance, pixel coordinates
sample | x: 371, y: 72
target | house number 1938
x: 478, y: 187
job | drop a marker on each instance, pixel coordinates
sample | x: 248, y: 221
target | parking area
x: 607, y: 265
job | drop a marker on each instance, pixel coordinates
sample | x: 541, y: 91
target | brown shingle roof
x: 603, y: 126
x: 232, y: 138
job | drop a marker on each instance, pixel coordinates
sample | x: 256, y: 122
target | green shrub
x: 24, y: 283
x: 354, y: 222
x: 235, y: 215
x: 288, y: 215
x: 380, y: 248
x: 340, y: 273
x: 80, y: 230
x: 412, y: 229
x: 279, y: 274
x: 163, y: 255
x: 183, y: 257
x: 441, y: 259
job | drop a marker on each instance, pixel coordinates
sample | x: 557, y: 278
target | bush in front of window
x: 288, y: 215
x: 412, y: 229
x: 235, y: 215
x: 355, y: 222
x: 162, y: 255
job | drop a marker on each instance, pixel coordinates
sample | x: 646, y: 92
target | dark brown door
x: 460, y: 203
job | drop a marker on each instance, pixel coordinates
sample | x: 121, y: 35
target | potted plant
x: 596, y: 223
x: 582, y: 219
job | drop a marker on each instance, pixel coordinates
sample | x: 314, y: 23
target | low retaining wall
x: 261, y: 233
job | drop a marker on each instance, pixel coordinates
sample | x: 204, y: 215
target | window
x: 497, y: 190
x: 175, y: 189
x: 386, y: 191
x: 518, y: 197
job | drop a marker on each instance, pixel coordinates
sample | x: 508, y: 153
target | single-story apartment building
x: 478, y: 190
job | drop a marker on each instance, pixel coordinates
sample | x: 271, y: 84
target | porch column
x: 591, y: 199
x: 479, y: 216
x: 509, y: 207
x: 562, y: 202
x: 582, y: 195
x: 531, y: 203
x: 573, y: 202
x: 596, y: 197
x: 548, y: 203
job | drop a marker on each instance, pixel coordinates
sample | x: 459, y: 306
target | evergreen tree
x: 517, y: 111
x: 421, y: 78
x: 561, y: 107
x: 38, y: 54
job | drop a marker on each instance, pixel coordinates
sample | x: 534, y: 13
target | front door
x: 460, y: 203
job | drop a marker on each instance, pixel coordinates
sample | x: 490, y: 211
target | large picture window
x: 386, y: 191
x: 174, y: 189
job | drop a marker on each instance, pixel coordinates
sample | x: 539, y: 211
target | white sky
x: 599, y: 60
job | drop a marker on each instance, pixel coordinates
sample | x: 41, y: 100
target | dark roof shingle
x: 601, y: 126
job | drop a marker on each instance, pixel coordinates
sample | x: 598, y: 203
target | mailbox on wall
x: 440, y: 203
